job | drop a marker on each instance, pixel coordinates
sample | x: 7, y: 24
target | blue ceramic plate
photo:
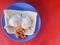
x: 23, y: 7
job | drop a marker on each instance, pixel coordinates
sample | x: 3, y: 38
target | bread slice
x: 33, y: 17
x: 8, y: 14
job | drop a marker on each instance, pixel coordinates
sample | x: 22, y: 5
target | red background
x: 49, y: 11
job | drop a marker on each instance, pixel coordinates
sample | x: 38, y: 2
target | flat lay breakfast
x: 20, y: 23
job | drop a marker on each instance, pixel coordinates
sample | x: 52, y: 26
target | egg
x: 15, y: 20
x: 26, y: 22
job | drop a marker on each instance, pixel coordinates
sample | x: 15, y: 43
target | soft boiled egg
x: 26, y: 22
x: 15, y: 20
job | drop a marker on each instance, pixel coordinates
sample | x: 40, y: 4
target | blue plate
x: 24, y: 7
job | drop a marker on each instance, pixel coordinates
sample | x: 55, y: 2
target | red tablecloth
x: 49, y: 11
